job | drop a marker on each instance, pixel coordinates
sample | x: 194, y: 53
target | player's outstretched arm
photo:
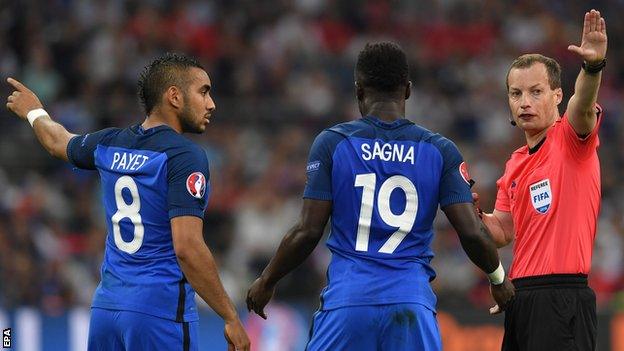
x: 200, y: 270
x: 53, y: 136
x: 593, y: 50
x: 296, y: 246
x: 481, y: 250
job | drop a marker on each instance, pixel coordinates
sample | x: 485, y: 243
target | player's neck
x: 388, y: 111
x: 156, y: 119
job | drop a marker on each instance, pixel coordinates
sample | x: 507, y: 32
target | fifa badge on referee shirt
x: 541, y: 195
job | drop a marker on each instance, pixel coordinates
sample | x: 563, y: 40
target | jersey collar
x: 138, y: 129
x: 386, y: 125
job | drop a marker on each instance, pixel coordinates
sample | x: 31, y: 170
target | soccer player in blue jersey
x: 155, y: 186
x: 381, y: 179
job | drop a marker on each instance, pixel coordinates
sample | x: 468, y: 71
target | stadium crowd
x: 281, y: 72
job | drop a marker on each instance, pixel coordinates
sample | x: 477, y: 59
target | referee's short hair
x: 382, y: 67
x: 528, y: 60
x: 163, y: 72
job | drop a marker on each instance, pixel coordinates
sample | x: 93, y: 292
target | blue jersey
x: 385, y: 181
x: 147, y: 178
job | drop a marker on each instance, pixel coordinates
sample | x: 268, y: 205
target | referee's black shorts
x: 551, y: 313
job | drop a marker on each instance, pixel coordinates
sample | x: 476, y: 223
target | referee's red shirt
x: 554, y: 198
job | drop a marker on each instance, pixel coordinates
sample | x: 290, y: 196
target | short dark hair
x: 163, y: 72
x: 528, y: 60
x: 382, y: 67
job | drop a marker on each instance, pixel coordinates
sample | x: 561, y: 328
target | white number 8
x: 130, y: 211
x: 404, y: 221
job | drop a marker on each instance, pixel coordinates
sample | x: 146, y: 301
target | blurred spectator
x: 281, y: 71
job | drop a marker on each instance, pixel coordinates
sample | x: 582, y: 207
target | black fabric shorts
x: 551, y: 313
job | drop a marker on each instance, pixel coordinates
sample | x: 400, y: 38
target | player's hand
x: 236, y: 336
x: 502, y: 294
x: 593, y: 47
x: 22, y: 100
x: 259, y: 294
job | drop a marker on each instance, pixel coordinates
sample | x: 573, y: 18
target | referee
x: 549, y: 197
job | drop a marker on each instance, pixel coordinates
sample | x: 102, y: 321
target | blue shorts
x: 395, y: 327
x: 114, y: 330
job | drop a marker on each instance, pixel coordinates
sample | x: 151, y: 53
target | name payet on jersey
x: 388, y: 152
x: 128, y: 161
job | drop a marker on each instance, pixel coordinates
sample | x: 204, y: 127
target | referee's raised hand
x: 593, y: 48
x: 502, y: 294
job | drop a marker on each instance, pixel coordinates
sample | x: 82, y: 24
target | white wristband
x: 498, y: 276
x: 34, y: 114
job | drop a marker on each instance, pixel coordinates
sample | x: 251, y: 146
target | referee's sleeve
x: 581, y: 147
x: 502, y: 197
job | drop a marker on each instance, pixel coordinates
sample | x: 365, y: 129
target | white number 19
x: 404, y: 221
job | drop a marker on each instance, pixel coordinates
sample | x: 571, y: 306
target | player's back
x: 147, y: 178
x: 387, y: 180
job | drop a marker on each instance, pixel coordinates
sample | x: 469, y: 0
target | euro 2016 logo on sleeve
x: 463, y: 170
x: 196, y: 184
x: 541, y: 195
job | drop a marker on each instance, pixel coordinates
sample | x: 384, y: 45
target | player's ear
x: 408, y: 90
x: 558, y: 95
x: 359, y: 91
x: 173, y: 95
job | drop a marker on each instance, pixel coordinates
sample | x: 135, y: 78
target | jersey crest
x: 541, y: 195
x: 196, y: 184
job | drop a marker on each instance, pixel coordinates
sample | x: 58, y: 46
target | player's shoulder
x: 181, y: 142
x: 336, y: 133
x: 101, y: 136
x: 179, y: 146
x: 332, y: 136
x: 164, y: 139
x: 110, y: 131
x: 347, y: 129
x: 439, y: 141
x: 183, y: 154
x: 367, y: 127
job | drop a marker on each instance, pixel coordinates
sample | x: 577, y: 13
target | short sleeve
x: 189, y: 183
x: 581, y: 147
x: 454, y: 183
x: 319, y: 168
x: 81, y: 148
x: 502, y: 197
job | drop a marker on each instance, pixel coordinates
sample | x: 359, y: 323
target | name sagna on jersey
x: 387, y: 152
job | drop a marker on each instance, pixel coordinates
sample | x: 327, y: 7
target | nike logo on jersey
x: 128, y: 161
x: 388, y: 152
